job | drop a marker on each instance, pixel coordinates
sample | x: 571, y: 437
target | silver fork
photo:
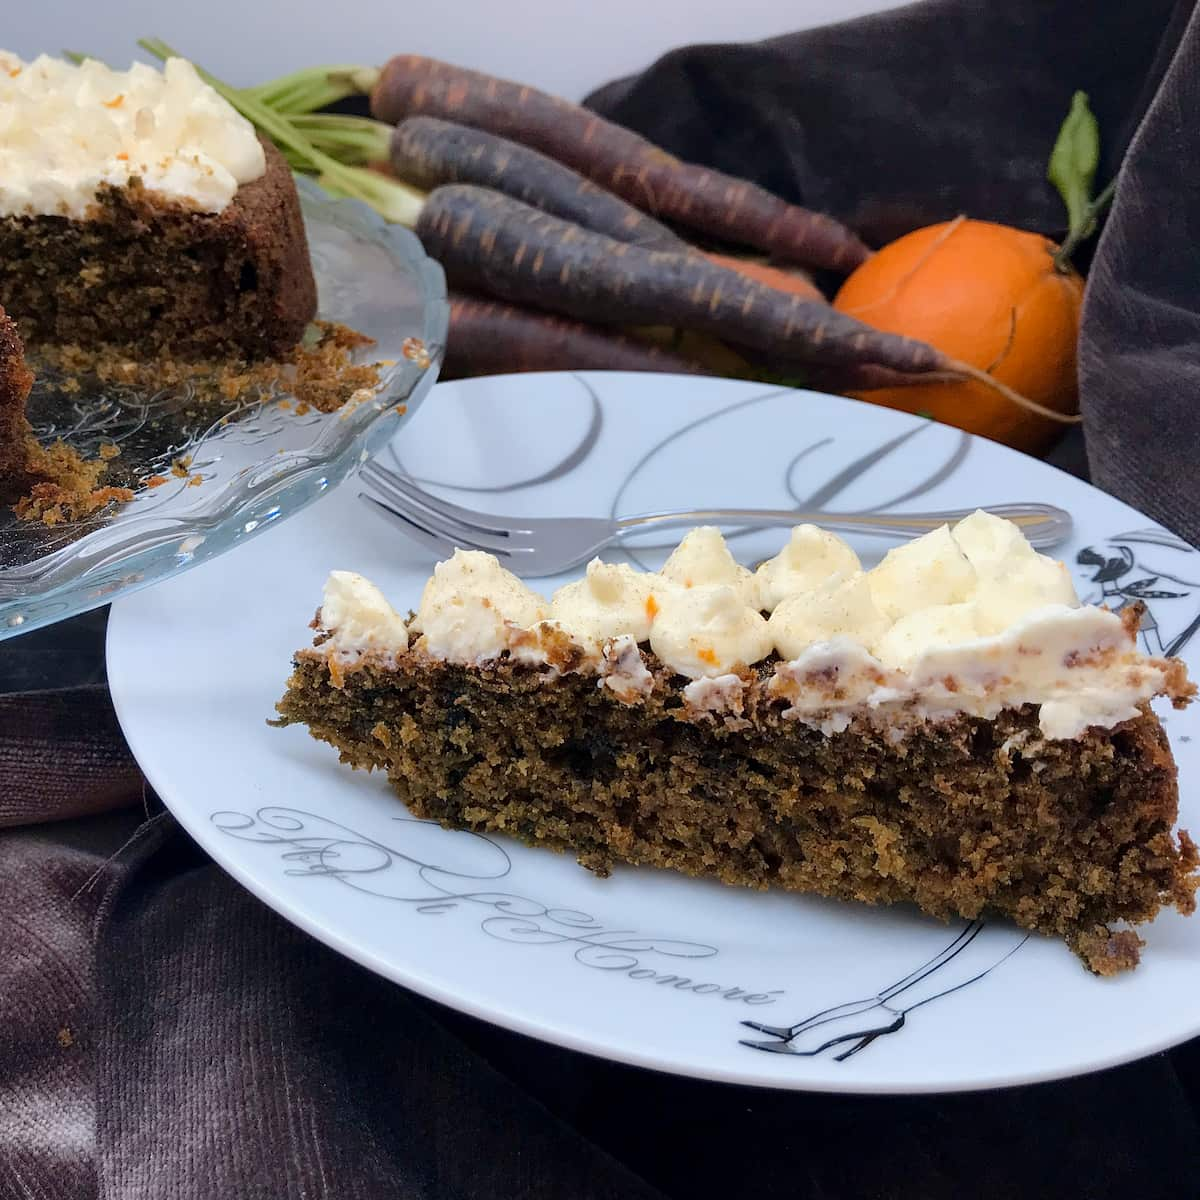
x: 548, y: 545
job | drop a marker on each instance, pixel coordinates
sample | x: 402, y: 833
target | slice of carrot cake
x: 139, y: 210
x: 951, y: 729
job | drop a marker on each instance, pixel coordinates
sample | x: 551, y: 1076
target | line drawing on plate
x: 409, y: 872
x: 581, y: 449
x: 974, y: 952
x: 1133, y: 566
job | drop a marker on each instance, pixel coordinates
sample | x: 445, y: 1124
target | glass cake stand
x: 258, y: 460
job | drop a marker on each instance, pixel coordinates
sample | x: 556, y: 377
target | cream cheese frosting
x: 623, y: 670
x: 928, y: 571
x: 839, y: 605
x: 809, y: 560
x: 470, y: 606
x: 964, y: 620
x: 66, y: 130
x: 1079, y: 665
x: 708, y: 631
x: 359, y: 616
x: 612, y: 600
x: 703, y: 559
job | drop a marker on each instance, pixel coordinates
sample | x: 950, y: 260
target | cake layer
x: 158, y: 278
x: 962, y: 816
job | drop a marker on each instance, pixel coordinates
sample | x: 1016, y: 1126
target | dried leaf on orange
x: 988, y: 295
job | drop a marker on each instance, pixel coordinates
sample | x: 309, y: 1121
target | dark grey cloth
x: 912, y: 116
x: 1140, y: 346
x: 163, y: 1036
x: 37, y: 781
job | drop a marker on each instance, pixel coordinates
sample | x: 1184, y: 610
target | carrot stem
x: 393, y: 203
x: 312, y: 88
x: 355, y: 141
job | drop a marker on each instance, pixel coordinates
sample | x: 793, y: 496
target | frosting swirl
x: 68, y: 130
x: 965, y: 620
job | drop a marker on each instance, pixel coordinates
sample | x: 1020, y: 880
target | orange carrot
x: 616, y: 158
x: 774, y: 277
x: 427, y: 152
x: 489, y: 338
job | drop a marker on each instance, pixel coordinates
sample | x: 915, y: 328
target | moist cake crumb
x: 57, y: 484
x: 163, y: 280
x: 68, y: 487
x: 318, y: 371
x: 167, y: 229
x: 15, y: 381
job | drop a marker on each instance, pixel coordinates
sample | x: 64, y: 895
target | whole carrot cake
x: 138, y: 209
x: 951, y: 729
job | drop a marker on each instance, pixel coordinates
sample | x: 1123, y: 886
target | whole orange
x: 988, y: 295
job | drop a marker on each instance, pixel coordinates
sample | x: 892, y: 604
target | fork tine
x: 403, y: 489
x: 440, y: 524
x: 412, y: 528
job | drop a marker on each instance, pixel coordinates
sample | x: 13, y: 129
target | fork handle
x: 1043, y: 524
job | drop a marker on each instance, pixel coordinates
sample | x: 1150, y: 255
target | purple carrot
x: 427, y: 152
x: 488, y: 337
x: 618, y: 159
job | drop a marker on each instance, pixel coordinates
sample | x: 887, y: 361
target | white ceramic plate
x: 646, y: 966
